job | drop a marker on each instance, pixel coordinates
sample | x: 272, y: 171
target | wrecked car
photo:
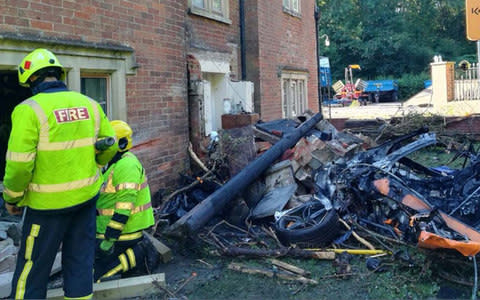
x: 384, y: 190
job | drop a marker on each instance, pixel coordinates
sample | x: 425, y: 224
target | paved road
x: 371, y: 111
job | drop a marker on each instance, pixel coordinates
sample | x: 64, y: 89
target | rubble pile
x: 332, y: 193
x: 9, y: 243
x: 10, y: 234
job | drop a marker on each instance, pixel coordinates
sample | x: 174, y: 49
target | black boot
x: 152, y: 258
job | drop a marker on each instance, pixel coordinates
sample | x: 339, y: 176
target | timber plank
x: 121, y: 288
x: 164, y: 251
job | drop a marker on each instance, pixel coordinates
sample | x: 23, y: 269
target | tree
x: 389, y: 38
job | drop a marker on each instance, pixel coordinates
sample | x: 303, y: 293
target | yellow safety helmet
x: 36, y: 60
x: 123, y: 133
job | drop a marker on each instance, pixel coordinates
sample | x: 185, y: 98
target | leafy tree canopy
x: 390, y: 38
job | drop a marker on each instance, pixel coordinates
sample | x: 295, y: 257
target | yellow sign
x: 473, y: 19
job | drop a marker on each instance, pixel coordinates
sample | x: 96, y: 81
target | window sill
x: 292, y: 13
x: 206, y: 14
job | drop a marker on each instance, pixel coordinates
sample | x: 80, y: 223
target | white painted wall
x: 220, y: 93
x: 241, y: 93
x: 207, y: 107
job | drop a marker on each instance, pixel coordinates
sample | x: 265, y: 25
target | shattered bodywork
x: 384, y: 189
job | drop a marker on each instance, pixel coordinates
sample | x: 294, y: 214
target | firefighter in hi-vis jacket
x: 124, y: 210
x: 52, y: 169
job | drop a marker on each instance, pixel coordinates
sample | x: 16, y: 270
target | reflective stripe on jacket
x: 51, y: 161
x: 126, y: 192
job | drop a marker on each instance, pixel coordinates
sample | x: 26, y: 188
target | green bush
x: 411, y: 84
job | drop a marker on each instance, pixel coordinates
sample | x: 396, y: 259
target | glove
x: 107, y: 247
x: 13, y: 210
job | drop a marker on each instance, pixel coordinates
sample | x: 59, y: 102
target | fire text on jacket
x: 73, y: 114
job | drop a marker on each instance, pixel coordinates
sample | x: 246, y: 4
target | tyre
x: 308, y: 225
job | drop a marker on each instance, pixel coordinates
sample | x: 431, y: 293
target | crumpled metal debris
x: 378, y: 187
x: 388, y: 191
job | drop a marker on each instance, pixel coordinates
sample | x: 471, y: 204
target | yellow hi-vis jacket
x: 124, y: 205
x: 51, y: 161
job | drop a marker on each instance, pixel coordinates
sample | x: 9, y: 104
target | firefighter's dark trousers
x: 42, y: 234
x: 126, y: 256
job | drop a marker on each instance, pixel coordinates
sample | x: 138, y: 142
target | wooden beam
x: 289, y: 267
x: 121, y: 288
x: 290, y: 252
x: 268, y: 137
x: 164, y: 251
x: 250, y: 270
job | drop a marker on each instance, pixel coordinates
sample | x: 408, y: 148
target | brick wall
x: 278, y: 39
x: 252, y: 50
x: 156, y: 95
x: 454, y: 125
x: 211, y: 35
x: 464, y: 125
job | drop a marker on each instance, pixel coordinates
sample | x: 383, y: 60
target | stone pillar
x: 442, y: 83
x: 73, y: 79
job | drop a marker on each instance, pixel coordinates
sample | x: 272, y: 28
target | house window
x: 292, y: 6
x: 97, y: 88
x: 217, y: 7
x: 213, y: 9
x: 199, y: 4
x: 294, y: 94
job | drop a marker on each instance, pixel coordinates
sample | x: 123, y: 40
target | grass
x: 396, y: 283
x: 433, y: 156
x: 400, y: 280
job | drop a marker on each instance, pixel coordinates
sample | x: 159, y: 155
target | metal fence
x: 467, y: 83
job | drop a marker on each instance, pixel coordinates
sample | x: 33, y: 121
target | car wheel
x: 308, y: 225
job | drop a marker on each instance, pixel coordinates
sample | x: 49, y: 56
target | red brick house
x: 281, y: 56
x: 169, y: 68
x: 253, y: 56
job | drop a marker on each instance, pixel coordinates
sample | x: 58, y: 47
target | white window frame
x: 108, y: 100
x: 294, y: 93
x: 208, y: 11
x: 292, y: 7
